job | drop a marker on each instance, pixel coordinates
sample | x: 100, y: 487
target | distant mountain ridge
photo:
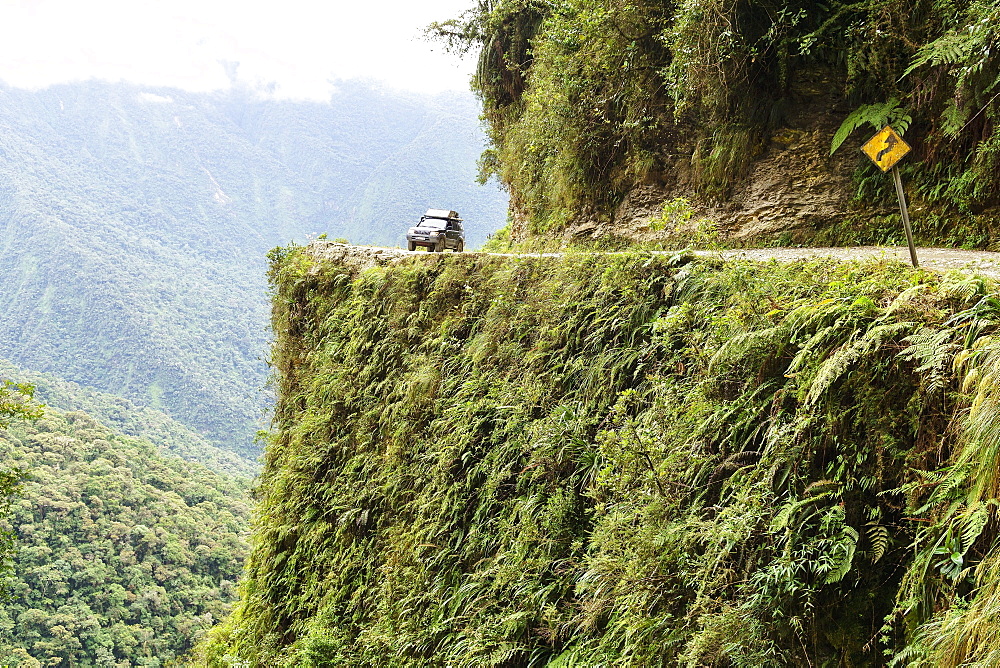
x: 134, y: 224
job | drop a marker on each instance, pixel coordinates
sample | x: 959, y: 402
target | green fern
x: 846, y: 358
x: 875, y: 115
x: 975, y: 520
x: 843, y: 555
x: 878, y: 536
x: 934, y: 350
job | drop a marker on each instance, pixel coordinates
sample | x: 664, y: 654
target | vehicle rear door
x: 453, y: 233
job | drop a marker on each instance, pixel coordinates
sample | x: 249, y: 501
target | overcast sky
x: 299, y: 45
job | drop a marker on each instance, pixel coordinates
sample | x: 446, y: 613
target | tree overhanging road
x: 983, y: 263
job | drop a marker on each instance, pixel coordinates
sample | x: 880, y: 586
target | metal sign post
x: 906, y: 214
x: 886, y: 149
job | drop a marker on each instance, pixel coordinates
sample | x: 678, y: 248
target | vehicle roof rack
x: 442, y: 213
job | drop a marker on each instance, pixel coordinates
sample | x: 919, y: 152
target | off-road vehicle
x: 438, y: 229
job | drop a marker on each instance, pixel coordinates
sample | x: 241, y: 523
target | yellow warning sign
x: 886, y: 148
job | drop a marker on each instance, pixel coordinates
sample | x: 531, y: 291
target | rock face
x: 359, y: 257
x: 793, y: 188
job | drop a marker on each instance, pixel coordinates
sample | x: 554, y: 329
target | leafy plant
x: 587, y: 102
x: 620, y: 459
x: 875, y: 115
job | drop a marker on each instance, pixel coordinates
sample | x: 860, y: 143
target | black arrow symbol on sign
x: 890, y: 142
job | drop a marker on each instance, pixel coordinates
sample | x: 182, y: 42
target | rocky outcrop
x: 359, y: 257
x: 791, y: 190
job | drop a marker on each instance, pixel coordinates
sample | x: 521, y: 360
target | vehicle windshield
x: 433, y: 224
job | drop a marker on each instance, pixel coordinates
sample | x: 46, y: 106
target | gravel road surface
x: 938, y: 259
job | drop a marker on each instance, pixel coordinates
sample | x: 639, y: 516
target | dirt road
x: 937, y: 259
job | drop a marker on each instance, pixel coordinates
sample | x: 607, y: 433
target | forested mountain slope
x: 599, y: 113
x: 134, y: 224
x: 124, y: 554
x: 626, y: 460
x: 130, y: 419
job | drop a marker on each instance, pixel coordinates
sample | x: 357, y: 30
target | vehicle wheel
x: 460, y: 247
x: 411, y: 246
x: 440, y: 246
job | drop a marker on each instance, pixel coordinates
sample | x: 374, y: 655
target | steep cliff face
x: 792, y: 190
x: 600, y: 113
x: 624, y: 460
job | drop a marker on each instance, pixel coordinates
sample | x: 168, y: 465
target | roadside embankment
x: 624, y: 459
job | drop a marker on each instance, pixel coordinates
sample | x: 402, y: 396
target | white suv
x: 438, y: 229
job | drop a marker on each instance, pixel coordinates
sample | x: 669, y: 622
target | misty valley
x: 135, y: 227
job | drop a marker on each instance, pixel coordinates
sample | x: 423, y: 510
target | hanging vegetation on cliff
x: 586, y: 99
x: 625, y: 460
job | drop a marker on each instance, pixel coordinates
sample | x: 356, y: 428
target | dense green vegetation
x: 124, y: 555
x: 131, y: 420
x: 16, y: 402
x: 134, y: 224
x: 626, y: 460
x: 586, y: 99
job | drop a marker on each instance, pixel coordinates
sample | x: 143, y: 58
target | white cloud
x: 298, y: 45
